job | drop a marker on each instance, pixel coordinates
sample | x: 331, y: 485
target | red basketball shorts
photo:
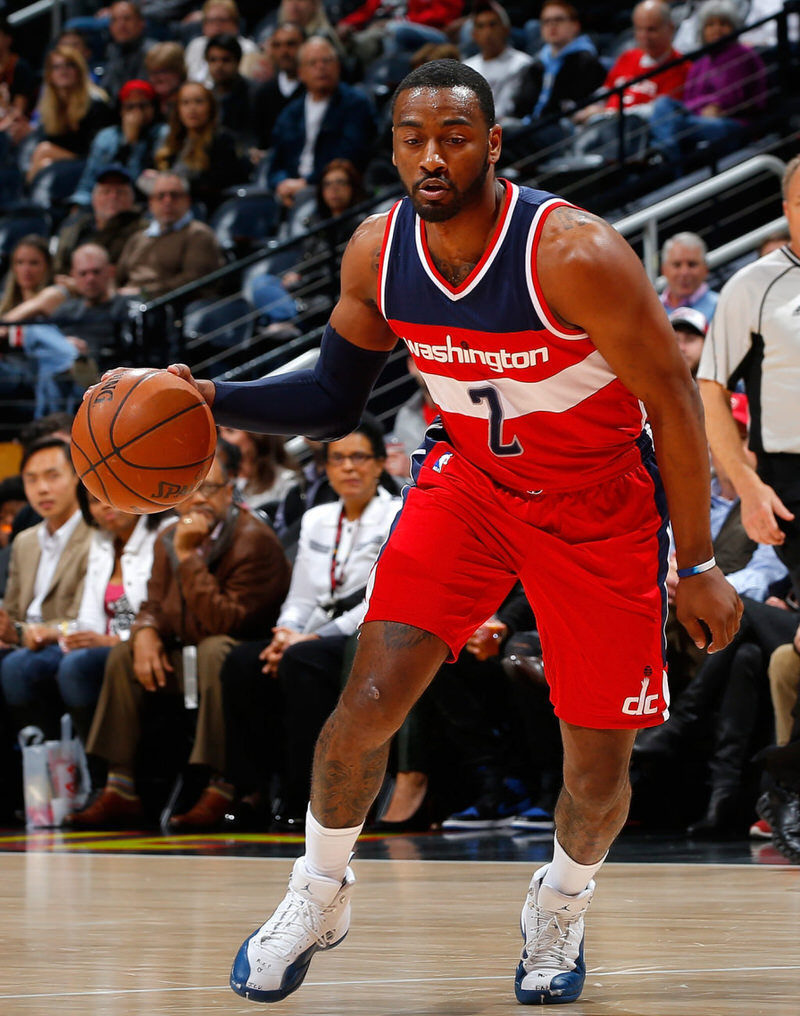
x: 592, y: 561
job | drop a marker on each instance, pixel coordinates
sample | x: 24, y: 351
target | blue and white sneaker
x: 533, y: 820
x: 551, y: 969
x: 495, y: 809
x: 274, y: 960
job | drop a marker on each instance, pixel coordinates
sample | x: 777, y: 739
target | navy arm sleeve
x: 324, y: 402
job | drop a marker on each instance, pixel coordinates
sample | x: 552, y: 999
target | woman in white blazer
x: 117, y: 572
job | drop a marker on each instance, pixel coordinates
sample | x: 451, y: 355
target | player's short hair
x: 791, y: 168
x: 450, y: 74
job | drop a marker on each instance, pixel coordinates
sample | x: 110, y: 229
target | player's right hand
x: 206, y: 388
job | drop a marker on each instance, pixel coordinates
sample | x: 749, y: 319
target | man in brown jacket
x: 45, y: 585
x: 219, y: 576
x: 174, y: 249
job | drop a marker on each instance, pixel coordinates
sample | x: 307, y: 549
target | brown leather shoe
x: 109, y: 810
x: 209, y: 811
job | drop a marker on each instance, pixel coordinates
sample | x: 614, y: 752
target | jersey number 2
x: 496, y: 420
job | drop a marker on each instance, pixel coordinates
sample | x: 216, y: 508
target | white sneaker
x: 551, y: 968
x: 314, y: 914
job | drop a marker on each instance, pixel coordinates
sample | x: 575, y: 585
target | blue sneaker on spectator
x: 495, y: 809
x: 535, y: 820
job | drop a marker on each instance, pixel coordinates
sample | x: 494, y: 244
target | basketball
x: 143, y: 440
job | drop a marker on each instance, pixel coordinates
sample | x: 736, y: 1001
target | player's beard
x: 460, y: 198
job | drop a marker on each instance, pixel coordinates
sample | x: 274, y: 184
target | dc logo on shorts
x: 442, y: 461
x: 641, y: 704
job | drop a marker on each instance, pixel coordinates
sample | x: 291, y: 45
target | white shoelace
x: 296, y: 918
x: 554, y: 942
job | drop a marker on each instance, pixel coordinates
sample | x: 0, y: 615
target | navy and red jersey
x: 525, y: 399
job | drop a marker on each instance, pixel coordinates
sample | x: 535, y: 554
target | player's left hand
x: 206, y: 388
x: 709, y: 609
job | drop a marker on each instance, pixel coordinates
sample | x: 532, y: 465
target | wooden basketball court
x: 125, y: 934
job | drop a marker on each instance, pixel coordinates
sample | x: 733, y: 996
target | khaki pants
x: 116, y: 728
x: 784, y: 683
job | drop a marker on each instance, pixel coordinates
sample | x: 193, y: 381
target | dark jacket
x: 347, y: 131
x: 236, y: 587
x: 580, y: 75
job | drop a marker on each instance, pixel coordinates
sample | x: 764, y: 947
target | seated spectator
x: 565, y: 70
x: 401, y: 27
x: 71, y: 111
x: 724, y: 93
x: 110, y: 221
x: 784, y: 686
x: 218, y: 576
x: 304, y: 659
x: 217, y: 16
x: 174, y: 249
x: 235, y: 95
x: 195, y: 146
x: 266, y: 469
x: 503, y: 66
x: 653, y: 31
x: 312, y: 18
x: 282, y: 86
x: 125, y: 53
x: 38, y: 354
x: 131, y: 143
x: 683, y: 265
x: 331, y: 121
x: 690, y: 327
x: 166, y: 71
x: 45, y: 586
x: 339, y: 189
x: 117, y: 572
x: 12, y: 501
x: 18, y: 88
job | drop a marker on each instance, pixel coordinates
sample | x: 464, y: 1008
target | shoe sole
x: 293, y: 977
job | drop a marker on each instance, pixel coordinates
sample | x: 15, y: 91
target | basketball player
x: 544, y: 346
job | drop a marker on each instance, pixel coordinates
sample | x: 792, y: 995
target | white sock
x: 328, y: 851
x: 566, y: 875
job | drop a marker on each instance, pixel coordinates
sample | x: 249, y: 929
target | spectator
x: 331, y: 121
x: 413, y: 418
x: 312, y: 17
x: 125, y: 53
x: 219, y: 575
x: 174, y: 249
x: 71, y: 111
x: 784, y: 685
x: 110, y: 221
x: 266, y: 469
x: 566, y: 69
x: 317, y: 274
x: 166, y: 71
x: 683, y: 265
x: 17, y: 79
x: 283, y: 47
x: 12, y: 501
x: 117, y: 572
x: 198, y: 148
x: 131, y: 143
x: 724, y: 93
x: 653, y: 31
x: 218, y: 16
x: 47, y: 354
x: 45, y: 586
x: 690, y: 327
x: 304, y: 659
x: 503, y: 66
x: 235, y: 95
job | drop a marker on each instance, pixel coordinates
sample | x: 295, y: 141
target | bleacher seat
x: 53, y: 186
x: 245, y: 222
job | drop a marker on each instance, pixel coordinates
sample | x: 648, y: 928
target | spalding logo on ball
x: 143, y: 440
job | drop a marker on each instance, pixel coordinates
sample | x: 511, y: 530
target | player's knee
x: 371, y: 712
x: 597, y: 790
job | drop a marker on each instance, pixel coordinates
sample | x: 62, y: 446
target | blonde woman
x: 71, y: 110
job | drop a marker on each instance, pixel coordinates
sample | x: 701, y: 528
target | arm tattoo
x: 572, y: 218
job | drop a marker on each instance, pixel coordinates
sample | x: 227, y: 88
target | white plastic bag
x: 55, y: 777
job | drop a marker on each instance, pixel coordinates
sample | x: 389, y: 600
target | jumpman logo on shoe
x: 305, y: 888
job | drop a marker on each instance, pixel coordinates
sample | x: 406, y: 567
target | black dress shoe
x: 721, y: 818
x: 780, y: 806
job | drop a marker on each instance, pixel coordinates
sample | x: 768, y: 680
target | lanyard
x: 336, y: 582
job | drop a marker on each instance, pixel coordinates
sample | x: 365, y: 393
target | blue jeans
x: 80, y: 676
x: 268, y: 295
x: 28, y: 681
x: 673, y: 129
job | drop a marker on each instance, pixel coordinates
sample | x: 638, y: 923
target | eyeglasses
x: 556, y: 19
x: 357, y: 458
x: 174, y: 194
x: 209, y: 489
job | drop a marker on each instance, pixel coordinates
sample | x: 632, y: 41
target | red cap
x: 137, y: 85
x: 740, y: 409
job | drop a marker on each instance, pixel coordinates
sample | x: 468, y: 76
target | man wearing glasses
x: 219, y: 576
x: 174, y: 249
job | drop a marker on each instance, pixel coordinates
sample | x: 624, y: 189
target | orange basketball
x: 143, y: 440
